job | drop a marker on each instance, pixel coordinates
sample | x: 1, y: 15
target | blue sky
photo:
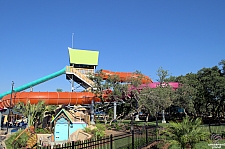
x: 178, y: 35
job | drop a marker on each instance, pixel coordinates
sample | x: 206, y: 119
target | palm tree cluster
x: 186, y: 133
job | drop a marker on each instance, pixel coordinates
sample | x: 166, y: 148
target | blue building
x: 65, y: 123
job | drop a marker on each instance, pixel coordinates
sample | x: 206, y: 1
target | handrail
x: 79, y: 74
x: 19, y: 135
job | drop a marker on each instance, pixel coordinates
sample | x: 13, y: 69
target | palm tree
x: 33, y: 112
x: 186, y: 133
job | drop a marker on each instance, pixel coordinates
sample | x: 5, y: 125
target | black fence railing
x: 137, y: 138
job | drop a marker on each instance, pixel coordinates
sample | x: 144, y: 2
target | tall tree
x: 222, y: 63
x: 59, y: 90
x: 100, y: 87
x: 34, y: 112
x: 162, y: 74
x: 185, y: 94
x: 164, y: 92
x: 157, y: 99
x: 213, y: 89
x: 113, y: 89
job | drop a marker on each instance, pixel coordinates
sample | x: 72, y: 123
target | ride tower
x: 82, y: 64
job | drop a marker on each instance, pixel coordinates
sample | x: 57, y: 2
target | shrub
x: 97, y: 132
x: 42, y: 130
x: 87, y: 130
x: 186, y: 132
x: 20, y: 142
x: 101, y: 127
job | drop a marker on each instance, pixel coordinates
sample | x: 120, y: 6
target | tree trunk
x: 32, y: 129
x: 188, y: 146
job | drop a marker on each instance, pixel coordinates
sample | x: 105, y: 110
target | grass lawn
x: 214, y: 129
x: 202, y: 145
x: 142, y: 123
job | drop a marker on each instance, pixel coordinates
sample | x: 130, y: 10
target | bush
x: 20, y: 142
x: 97, y: 132
x: 101, y: 127
x: 187, y: 132
x: 42, y: 131
x: 87, y: 130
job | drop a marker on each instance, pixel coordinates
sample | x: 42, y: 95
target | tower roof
x: 83, y: 57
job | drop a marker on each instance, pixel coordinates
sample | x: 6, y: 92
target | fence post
x: 156, y: 133
x: 132, y: 139
x: 73, y: 145
x: 111, y: 141
x: 146, y: 136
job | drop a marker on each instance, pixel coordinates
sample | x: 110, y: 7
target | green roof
x: 68, y: 115
x: 83, y: 57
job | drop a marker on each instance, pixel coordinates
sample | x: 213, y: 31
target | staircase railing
x: 27, y: 131
x: 80, y: 75
x: 14, y: 141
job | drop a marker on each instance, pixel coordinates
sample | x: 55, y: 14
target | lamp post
x: 156, y: 119
x: 10, y: 107
x: 92, y: 113
x: 132, y: 122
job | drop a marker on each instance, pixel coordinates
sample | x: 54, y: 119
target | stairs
x: 78, y: 77
x: 32, y: 141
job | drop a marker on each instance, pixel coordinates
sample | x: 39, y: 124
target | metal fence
x: 137, y: 138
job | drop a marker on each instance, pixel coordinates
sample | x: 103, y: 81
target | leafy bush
x: 188, y: 132
x: 101, y: 127
x: 98, y: 132
x: 118, y: 126
x: 42, y: 130
x: 20, y: 142
x: 87, y: 130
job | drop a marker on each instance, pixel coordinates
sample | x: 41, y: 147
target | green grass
x: 201, y: 145
x: 142, y: 123
x: 204, y: 144
x: 214, y: 129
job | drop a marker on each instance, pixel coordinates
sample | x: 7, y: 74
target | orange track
x: 50, y: 98
x: 126, y: 76
x: 73, y: 98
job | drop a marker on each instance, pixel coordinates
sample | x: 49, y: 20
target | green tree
x: 202, y: 92
x: 159, y: 98
x: 100, y: 86
x: 213, y: 89
x: 59, y: 90
x: 186, y: 133
x: 222, y: 63
x: 34, y: 112
x: 162, y: 74
x: 185, y: 95
x: 108, y: 90
x: 156, y: 99
x: 190, y: 95
x: 117, y: 90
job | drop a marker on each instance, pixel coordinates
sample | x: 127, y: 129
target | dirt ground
x: 109, y: 132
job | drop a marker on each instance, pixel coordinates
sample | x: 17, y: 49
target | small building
x: 65, y: 123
